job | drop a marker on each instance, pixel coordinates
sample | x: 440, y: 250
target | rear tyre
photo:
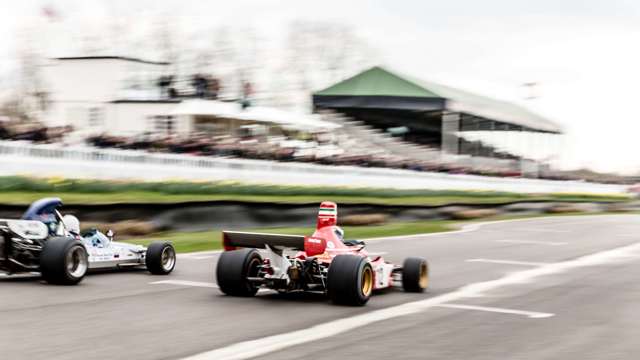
x: 350, y: 280
x: 63, y: 261
x: 415, y: 274
x: 233, y: 269
x: 160, y: 258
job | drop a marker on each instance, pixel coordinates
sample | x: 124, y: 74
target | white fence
x: 18, y: 158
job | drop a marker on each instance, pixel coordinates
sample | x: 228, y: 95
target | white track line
x: 185, y: 283
x: 533, y: 242
x: 508, y: 262
x: 195, y: 284
x: 200, y: 254
x: 20, y: 275
x: 258, y: 347
x: 464, y: 229
x: 545, y: 230
x: 529, y: 314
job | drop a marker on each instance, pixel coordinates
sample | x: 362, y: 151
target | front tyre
x: 350, y: 280
x: 160, y: 258
x: 64, y: 261
x: 415, y: 274
x: 234, y: 267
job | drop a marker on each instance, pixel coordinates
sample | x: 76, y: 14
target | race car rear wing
x: 231, y: 240
x: 235, y: 239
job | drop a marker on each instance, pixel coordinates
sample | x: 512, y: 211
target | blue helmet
x: 44, y: 210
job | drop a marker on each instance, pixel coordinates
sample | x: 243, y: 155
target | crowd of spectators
x: 279, y: 148
x: 284, y: 148
x: 33, y: 132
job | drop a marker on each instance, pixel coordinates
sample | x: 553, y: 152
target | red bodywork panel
x: 314, y: 246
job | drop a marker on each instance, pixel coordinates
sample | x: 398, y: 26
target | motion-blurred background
x: 511, y: 97
x: 456, y: 88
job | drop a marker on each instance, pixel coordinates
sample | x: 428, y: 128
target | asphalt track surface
x: 544, y: 288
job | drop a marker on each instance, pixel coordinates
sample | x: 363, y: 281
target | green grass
x: 25, y: 198
x: 186, y: 242
x: 23, y: 190
x: 211, y: 240
x: 19, y: 190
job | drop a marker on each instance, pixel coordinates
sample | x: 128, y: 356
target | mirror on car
x: 110, y: 234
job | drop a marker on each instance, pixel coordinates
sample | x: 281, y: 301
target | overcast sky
x: 584, y: 54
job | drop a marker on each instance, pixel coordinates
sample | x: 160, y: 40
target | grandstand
x: 435, y: 116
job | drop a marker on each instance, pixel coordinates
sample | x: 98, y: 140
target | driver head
x: 72, y: 224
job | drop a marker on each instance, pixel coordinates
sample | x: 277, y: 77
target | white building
x: 120, y: 96
x: 105, y: 94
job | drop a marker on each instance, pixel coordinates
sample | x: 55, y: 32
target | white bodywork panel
x: 28, y: 229
x: 383, y: 275
x: 279, y: 263
x: 114, y: 255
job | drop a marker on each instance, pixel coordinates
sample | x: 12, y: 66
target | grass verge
x: 20, y: 190
x: 211, y: 240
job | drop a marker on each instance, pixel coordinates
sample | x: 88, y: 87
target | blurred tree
x: 248, y: 62
x: 318, y: 54
x: 32, y: 95
x: 167, y: 44
x: 230, y: 56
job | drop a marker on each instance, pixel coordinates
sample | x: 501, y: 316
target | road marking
x: 533, y: 242
x: 544, y: 230
x: 185, y: 283
x: 508, y: 262
x: 198, y: 255
x: 571, y: 223
x: 20, y: 275
x: 464, y: 229
x: 253, y: 348
x: 477, y: 225
x: 530, y: 314
x: 196, y: 284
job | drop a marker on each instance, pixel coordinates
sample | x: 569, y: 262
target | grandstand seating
x: 354, y: 144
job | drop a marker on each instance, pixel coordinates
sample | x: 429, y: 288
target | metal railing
x: 52, y: 160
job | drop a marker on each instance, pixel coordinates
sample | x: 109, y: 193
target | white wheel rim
x: 77, y: 263
x: 168, y: 258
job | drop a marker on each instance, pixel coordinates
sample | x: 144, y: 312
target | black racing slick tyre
x: 350, y: 280
x: 63, y: 261
x: 160, y: 258
x: 234, y: 267
x: 415, y: 274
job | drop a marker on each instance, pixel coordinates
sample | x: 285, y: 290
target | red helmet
x: 328, y: 214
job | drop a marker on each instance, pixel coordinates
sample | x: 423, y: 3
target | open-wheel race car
x: 323, y: 262
x: 45, y: 242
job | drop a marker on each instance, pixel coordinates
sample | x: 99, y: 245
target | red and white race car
x: 323, y: 262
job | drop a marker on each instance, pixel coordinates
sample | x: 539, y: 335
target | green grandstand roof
x: 377, y: 82
x: 380, y: 82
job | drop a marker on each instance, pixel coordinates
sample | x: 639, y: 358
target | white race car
x: 45, y: 241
